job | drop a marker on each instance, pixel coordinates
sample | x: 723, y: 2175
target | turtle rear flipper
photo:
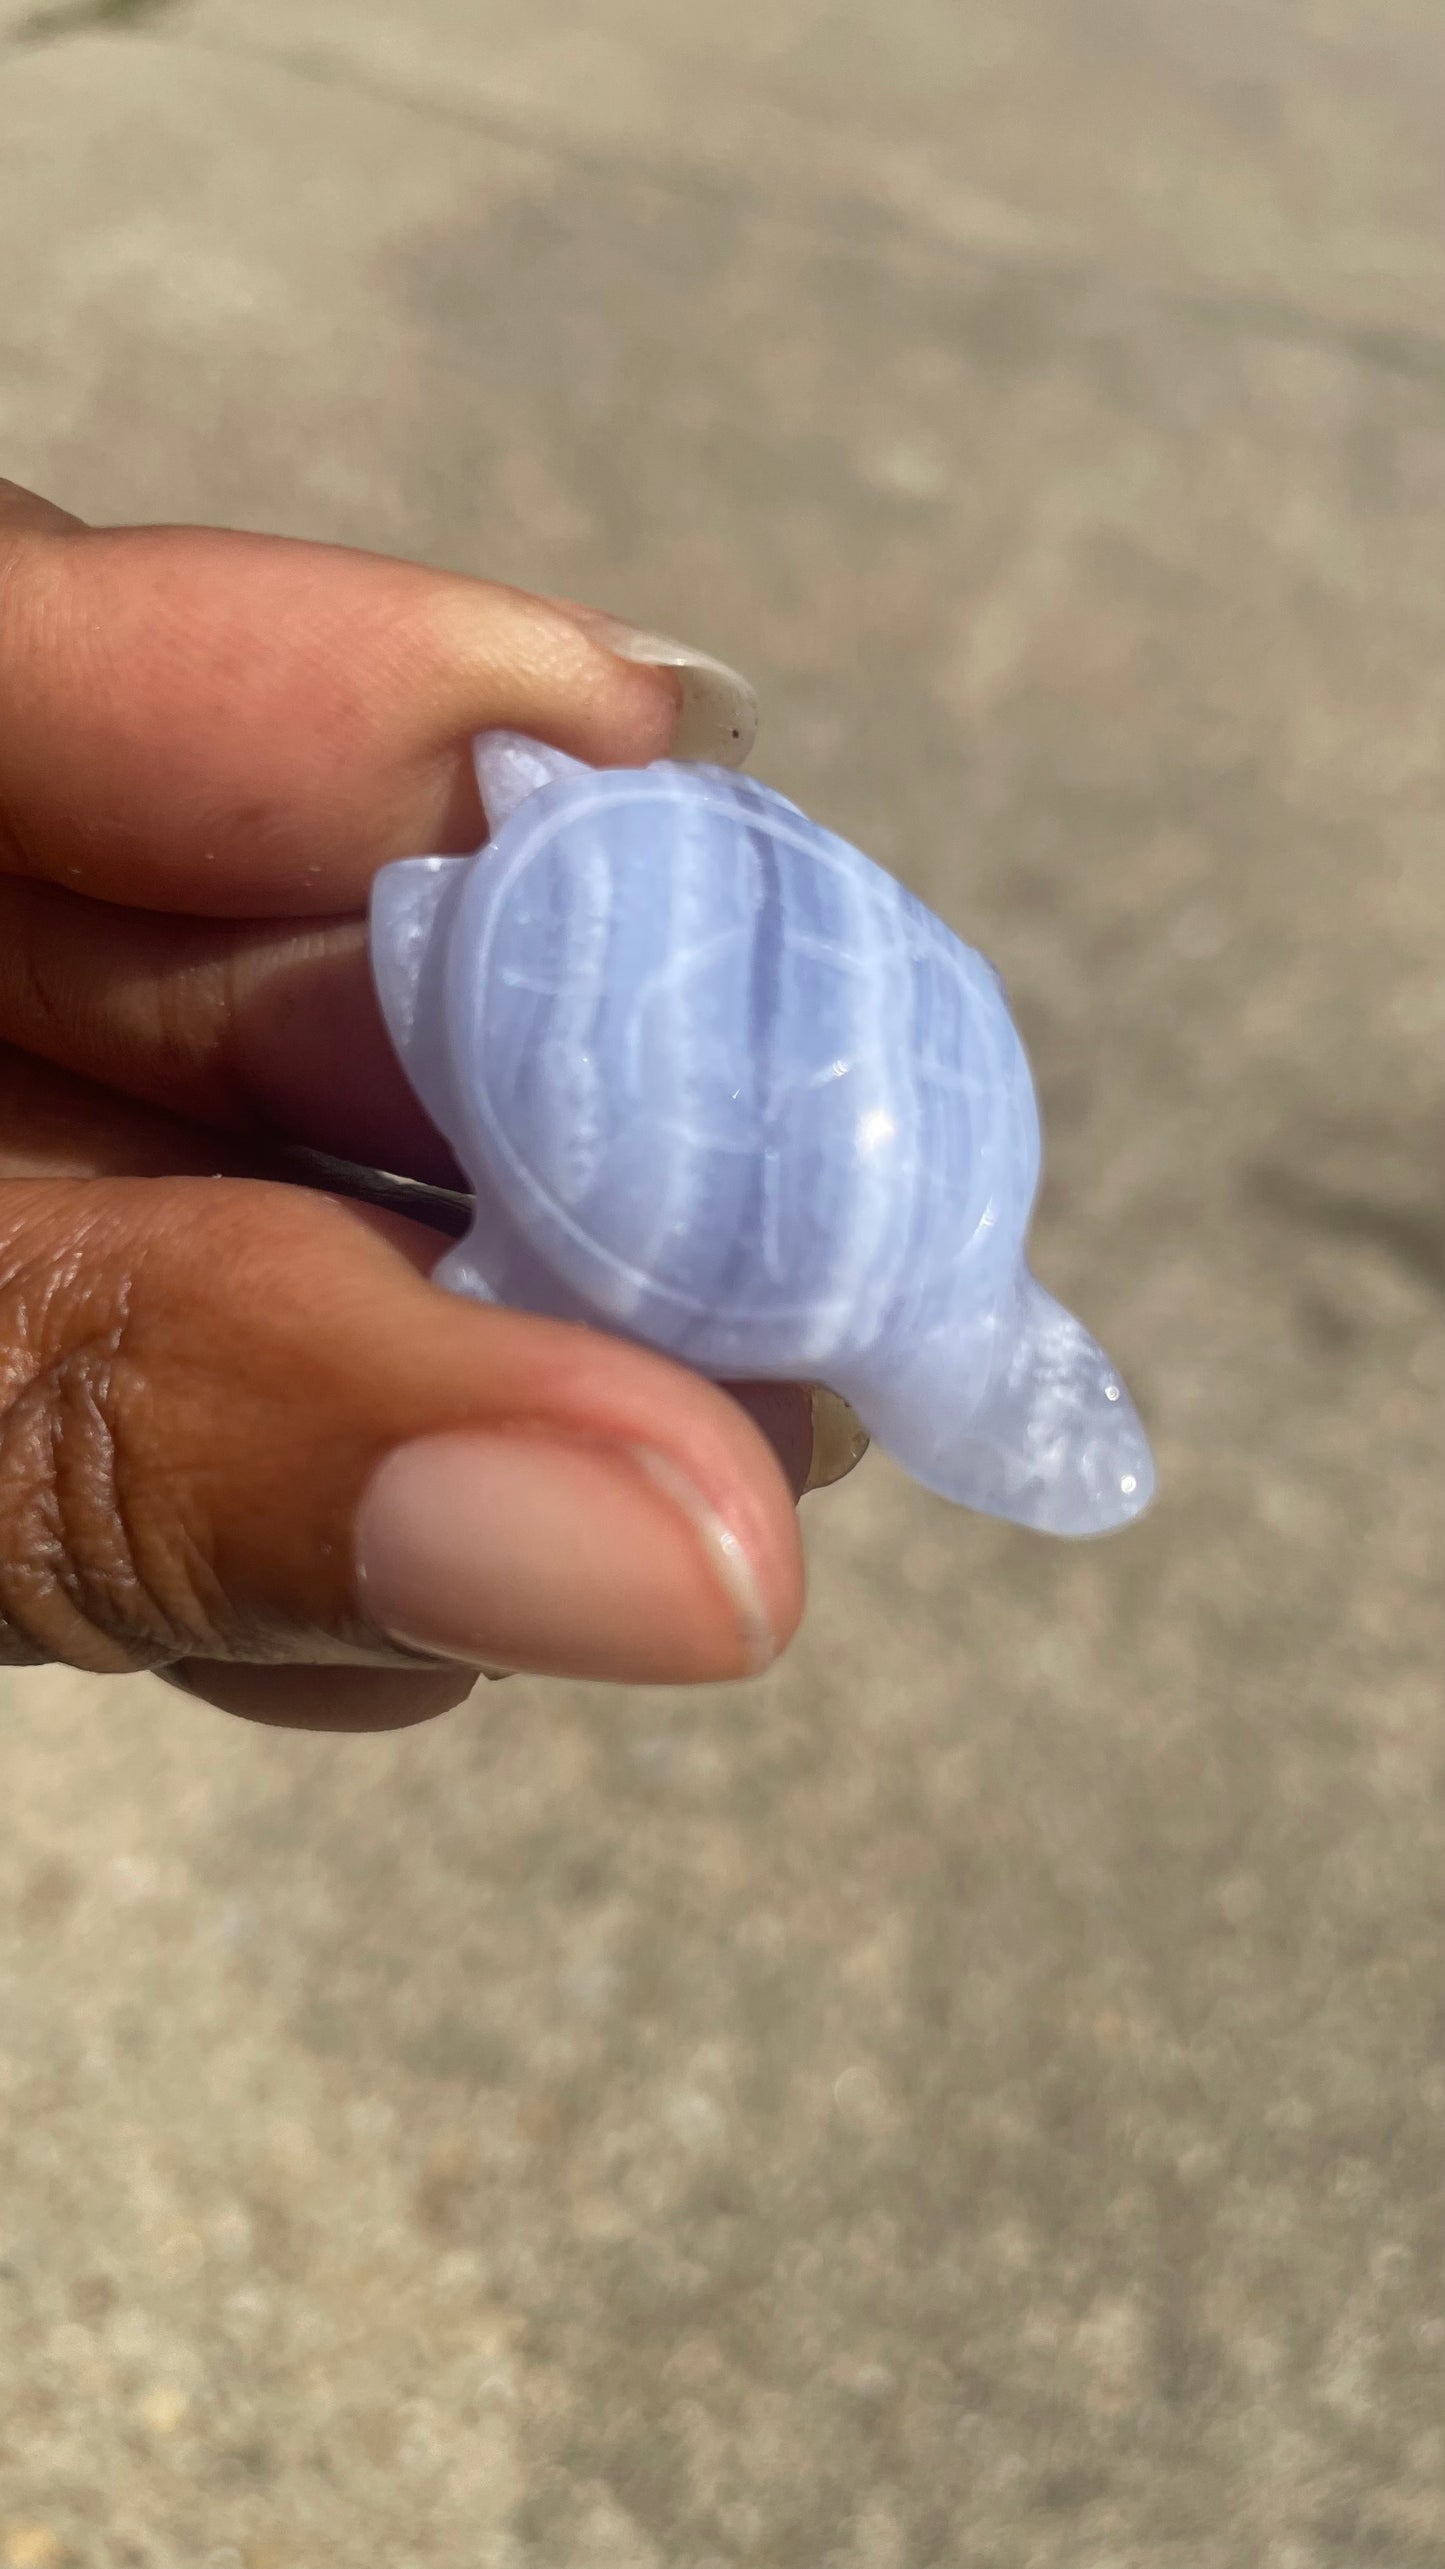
x: 1020, y: 1416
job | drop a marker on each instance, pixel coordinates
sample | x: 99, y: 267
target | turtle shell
x: 732, y: 1082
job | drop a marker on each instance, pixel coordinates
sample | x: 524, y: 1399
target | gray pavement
x: 967, y: 2102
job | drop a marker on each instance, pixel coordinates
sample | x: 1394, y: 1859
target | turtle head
x: 413, y: 904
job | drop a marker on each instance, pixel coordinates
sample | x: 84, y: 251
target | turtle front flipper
x: 510, y: 769
x: 494, y: 1263
x: 413, y: 904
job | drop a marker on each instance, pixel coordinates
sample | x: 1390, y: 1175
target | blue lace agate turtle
x: 721, y: 1084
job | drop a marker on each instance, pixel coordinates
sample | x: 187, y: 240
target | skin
x: 210, y: 743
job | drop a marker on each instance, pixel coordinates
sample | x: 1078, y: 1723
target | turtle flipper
x: 412, y: 906
x: 464, y: 1270
x: 1053, y: 1440
x: 510, y: 768
x: 494, y: 1263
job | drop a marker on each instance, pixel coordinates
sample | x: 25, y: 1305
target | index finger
x: 249, y: 726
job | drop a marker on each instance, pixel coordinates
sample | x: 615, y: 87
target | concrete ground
x: 967, y: 2102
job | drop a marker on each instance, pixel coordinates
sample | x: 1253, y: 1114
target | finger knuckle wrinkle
x: 75, y: 1580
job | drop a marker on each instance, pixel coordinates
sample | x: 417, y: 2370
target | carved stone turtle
x: 724, y: 1086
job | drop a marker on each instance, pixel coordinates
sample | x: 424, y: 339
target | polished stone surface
x: 721, y: 1083
x: 972, y: 2099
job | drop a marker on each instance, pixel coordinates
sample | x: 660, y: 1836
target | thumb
x: 237, y: 1423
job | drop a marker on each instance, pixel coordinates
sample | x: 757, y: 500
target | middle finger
x: 267, y: 1029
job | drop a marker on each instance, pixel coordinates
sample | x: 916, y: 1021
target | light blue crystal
x: 722, y: 1085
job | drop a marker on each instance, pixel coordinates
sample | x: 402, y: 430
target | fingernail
x: 840, y: 1439
x: 571, y: 1560
x: 719, y: 718
x: 784, y: 1412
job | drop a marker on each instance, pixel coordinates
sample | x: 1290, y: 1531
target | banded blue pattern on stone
x: 724, y: 1085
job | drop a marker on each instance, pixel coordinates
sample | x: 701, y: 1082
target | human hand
x: 242, y: 1439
